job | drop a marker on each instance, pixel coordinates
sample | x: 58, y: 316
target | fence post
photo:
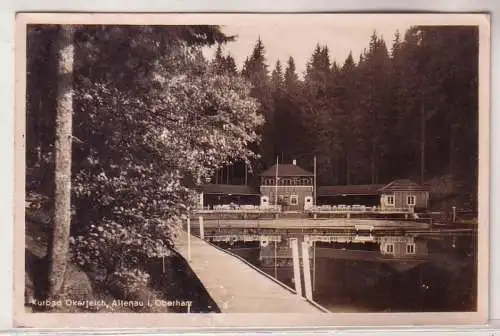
x: 454, y: 209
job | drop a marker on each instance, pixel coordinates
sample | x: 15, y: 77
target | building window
x: 389, y: 248
x: 390, y: 199
x: 294, y: 200
x: 410, y: 200
x: 410, y: 249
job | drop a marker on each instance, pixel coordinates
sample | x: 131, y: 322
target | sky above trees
x: 299, y: 41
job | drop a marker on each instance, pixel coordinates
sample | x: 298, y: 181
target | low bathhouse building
x: 292, y: 188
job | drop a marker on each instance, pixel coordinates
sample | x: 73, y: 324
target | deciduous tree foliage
x: 152, y: 122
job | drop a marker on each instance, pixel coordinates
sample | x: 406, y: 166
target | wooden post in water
x: 275, y: 259
x: 306, y: 264
x: 314, y: 266
x: 202, y: 228
x: 296, y: 265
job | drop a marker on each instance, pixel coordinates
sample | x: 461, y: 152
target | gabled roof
x: 359, y: 189
x: 226, y: 189
x: 285, y: 169
x: 403, y: 185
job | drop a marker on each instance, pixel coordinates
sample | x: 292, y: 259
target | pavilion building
x: 287, y: 185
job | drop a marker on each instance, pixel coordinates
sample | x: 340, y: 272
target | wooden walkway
x: 237, y: 287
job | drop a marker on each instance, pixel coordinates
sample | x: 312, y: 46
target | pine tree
x: 219, y: 62
x: 319, y: 115
x: 374, y: 103
x: 396, y: 45
x: 277, y: 80
x: 255, y: 69
x: 230, y: 65
x: 291, y: 79
x: 346, y: 91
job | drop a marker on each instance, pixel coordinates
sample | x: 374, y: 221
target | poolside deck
x: 332, y: 223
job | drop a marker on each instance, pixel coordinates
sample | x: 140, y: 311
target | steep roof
x: 403, y: 185
x: 226, y: 189
x: 285, y: 169
x: 359, y: 189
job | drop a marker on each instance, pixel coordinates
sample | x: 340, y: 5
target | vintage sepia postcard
x: 251, y: 170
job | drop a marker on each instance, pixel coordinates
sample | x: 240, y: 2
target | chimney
x: 294, y: 162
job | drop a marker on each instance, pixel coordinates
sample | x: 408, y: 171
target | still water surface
x: 444, y: 278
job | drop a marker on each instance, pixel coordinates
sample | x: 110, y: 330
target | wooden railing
x: 325, y: 209
x: 230, y: 208
x: 356, y: 209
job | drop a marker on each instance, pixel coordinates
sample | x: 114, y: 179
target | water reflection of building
x: 293, y: 187
x: 391, y: 249
x: 402, y: 247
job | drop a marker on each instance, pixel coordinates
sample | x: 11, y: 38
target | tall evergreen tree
x: 255, y: 69
x: 291, y: 79
x: 374, y: 104
x: 347, y: 100
x: 277, y: 79
x: 219, y: 62
x: 230, y: 65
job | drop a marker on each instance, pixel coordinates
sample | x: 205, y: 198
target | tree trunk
x: 62, y: 198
